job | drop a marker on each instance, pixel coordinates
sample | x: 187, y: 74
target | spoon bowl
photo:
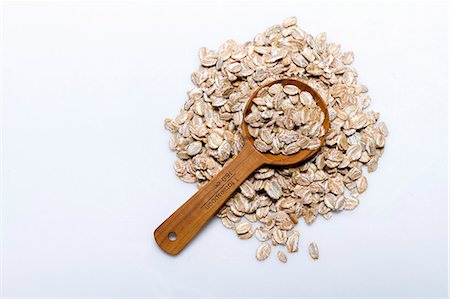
x: 303, y: 155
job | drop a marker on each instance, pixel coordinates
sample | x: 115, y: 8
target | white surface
x: 87, y: 174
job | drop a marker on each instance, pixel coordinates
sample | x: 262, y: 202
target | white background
x: 87, y: 174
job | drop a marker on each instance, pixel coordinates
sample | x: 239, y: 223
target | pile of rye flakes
x: 207, y: 134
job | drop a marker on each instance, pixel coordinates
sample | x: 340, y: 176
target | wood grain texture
x: 187, y: 221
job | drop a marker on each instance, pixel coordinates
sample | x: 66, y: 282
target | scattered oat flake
x: 263, y: 252
x: 313, y: 251
x: 282, y: 256
x: 292, y: 243
x: 243, y: 228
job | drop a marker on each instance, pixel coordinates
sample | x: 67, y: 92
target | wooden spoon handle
x: 179, y: 229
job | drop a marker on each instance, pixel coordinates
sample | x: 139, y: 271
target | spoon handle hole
x: 172, y: 236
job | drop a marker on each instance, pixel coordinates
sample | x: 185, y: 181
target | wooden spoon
x: 179, y: 229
